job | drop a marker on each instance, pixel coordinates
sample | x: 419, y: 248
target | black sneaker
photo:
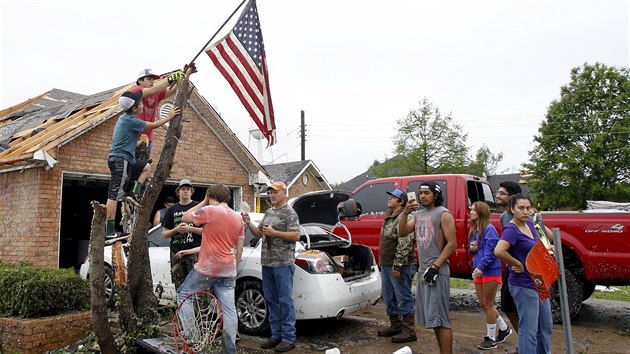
x: 503, y: 335
x: 118, y: 236
x: 487, y: 344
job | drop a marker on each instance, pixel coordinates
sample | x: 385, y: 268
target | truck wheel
x: 251, y: 308
x: 574, y: 294
x: 588, y: 288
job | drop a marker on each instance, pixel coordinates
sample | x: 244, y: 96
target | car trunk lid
x: 319, y: 207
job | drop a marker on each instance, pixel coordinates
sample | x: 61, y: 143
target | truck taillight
x: 315, y: 262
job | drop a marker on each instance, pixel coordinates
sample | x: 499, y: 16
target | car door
x: 160, y: 257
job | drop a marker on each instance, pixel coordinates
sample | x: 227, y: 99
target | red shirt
x: 222, y: 227
x: 150, y: 109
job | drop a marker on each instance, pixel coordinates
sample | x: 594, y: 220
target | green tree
x: 583, y: 150
x: 485, y: 162
x: 429, y: 142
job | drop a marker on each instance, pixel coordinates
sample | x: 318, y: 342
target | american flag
x: 240, y: 57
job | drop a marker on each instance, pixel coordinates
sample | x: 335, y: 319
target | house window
x: 305, y: 179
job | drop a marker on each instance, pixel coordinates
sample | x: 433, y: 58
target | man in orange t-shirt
x: 222, y: 238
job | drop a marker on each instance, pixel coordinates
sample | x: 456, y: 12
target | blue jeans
x: 397, y: 292
x: 534, y: 326
x: 278, y: 289
x: 223, y: 289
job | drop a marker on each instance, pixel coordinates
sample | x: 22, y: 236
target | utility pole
x: 303, y: 142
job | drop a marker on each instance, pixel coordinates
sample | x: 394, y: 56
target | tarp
x: 603, y: 204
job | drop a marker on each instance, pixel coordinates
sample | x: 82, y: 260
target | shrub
x: 28, y: 291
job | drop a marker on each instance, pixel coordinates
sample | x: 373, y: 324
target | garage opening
x: 78, y: 190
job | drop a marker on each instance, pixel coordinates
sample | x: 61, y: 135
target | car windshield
x: 156, y: 238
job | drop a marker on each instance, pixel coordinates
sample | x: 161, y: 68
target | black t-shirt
x: 172, y: 218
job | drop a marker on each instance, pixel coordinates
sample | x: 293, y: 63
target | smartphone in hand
x: 411, y: 196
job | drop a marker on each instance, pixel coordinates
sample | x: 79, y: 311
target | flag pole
x: 215, y: 33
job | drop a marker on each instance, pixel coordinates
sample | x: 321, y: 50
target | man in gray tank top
x: 434, y: 228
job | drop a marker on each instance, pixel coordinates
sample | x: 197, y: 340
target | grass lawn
x: 623, y: 294
x: 462, y: 284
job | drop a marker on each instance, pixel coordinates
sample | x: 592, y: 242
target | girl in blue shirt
x: 482, y: 239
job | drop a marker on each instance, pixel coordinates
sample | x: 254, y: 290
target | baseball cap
x: 184, y: 182
x: 128, y: 99
x: 398, y: 193
x: 432, y: 186
x: 279, y: 186
x: 147, y: 72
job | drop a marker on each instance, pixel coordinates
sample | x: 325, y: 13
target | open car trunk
x: 352, y: 263
x: 318, y: 217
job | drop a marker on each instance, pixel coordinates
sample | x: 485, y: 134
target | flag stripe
x: 240, y: 57
x: 240, y: 86
x: 268, y: 107
x: 246, y: 100
x: 251, y: 82
x: 237, y: 47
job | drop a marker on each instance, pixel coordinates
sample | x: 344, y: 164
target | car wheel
x: 574, y: 294
x: 251, y: 308
x: 109, y: 286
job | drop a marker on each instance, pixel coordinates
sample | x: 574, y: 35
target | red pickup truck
x: 596, y: 245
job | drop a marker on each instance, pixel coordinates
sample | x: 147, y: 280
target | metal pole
x: 303, y: 140
x: 564, y: 300
x: 215, y: 33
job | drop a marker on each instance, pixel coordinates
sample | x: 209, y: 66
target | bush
x: 28, y: 291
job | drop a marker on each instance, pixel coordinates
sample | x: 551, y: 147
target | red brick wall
x: 30, y: 216
x: 298, y: 188
x: 43, y: 334
x: 31, y: 205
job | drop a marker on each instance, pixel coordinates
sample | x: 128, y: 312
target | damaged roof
x: 51, y: 119
x: 48, y: 121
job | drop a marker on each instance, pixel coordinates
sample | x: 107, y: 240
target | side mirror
x: 349, y: 209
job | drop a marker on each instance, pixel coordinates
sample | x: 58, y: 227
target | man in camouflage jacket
x: 398, y: 266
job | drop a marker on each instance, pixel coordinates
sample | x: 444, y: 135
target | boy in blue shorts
x: 122, y: 160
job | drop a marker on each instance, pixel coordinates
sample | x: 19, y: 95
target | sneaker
x: 118, y: 236
x: 503, y: 335
x: 284, y: 347
x: 131, y: 199
x: 487, y: 344
x: 270, y: 343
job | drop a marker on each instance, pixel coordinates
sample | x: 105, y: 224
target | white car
x: 332, y: 277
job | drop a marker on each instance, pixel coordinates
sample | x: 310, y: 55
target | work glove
x: 177, y: 76
x: 430, y: 275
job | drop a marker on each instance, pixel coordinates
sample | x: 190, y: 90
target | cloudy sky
x: 355, y: 67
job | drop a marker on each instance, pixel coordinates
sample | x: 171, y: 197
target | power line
x: 485, y: 119
x: 501, y: 136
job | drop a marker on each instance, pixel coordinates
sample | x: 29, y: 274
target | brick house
x: 300, y: 177
x: 53, y: 162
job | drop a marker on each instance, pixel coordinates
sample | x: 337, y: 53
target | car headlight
x: 315, y: 262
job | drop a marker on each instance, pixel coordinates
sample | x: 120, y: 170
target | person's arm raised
x: 405, y: 226
x: 158, y: 86
x: 161, y: 122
